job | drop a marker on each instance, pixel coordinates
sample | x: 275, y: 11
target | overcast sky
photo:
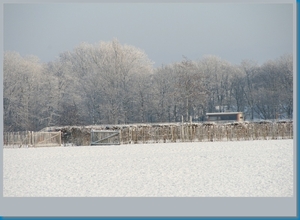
x: 165, y: 31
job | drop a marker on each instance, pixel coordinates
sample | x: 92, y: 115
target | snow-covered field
x: 200, y: 169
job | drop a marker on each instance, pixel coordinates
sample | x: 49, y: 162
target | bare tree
x: 285, y: 79
x: 23, y: 80
x: 165, y: 102
x: 111, y: 83
x: 111, y: 74
x: 218, y: 75
x: 250, y: 69
x: 237, y: 91
x: 274, y: 83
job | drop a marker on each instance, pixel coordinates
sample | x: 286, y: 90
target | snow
x: 262, y: 168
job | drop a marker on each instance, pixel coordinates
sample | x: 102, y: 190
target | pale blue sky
x: 165, y: 31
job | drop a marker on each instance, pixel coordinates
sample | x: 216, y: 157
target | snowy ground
x: 207, y: 169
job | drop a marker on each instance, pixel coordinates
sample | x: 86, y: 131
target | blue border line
x: 298, y: 103
x: 136, y: 218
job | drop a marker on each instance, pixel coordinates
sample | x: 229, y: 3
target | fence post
x: 33, y: 139
x: 131, y: 135
x: 14, y: 138
x: 191, y: 130
x: 120, y: 136
x: 182, y: 129
x: 143, y: 134
x: 126, y: 135
x: 28, y: 138
x: 60, y: 138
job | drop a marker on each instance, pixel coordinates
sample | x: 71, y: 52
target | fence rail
x: 31, y: 139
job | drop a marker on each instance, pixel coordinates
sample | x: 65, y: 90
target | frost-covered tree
x: 274, y: 89
x: 238, y: 84
x: 250, y: 70
x: 165, y: 103
x: 179, y: 91
x: 218, y: 74
x: 285, y: 79
x: 109, y: 78
x: 190, y: 87
x: 64, y: 97
x: 112, y: 83
x: 22, y: 86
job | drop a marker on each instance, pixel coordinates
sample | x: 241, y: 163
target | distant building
x: 225, y: 116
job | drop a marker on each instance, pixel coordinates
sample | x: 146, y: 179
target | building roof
x: 223, y: 113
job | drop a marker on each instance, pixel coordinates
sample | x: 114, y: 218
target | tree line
x: 111, y: 83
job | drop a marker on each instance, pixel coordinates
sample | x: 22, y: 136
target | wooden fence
x: 154, y: 133
x: 31, y: 139
x: 206, y: 132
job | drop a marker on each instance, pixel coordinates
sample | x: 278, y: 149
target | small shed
x: 225, y: 116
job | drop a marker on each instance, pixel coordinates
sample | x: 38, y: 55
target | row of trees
x: 110, y: 83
